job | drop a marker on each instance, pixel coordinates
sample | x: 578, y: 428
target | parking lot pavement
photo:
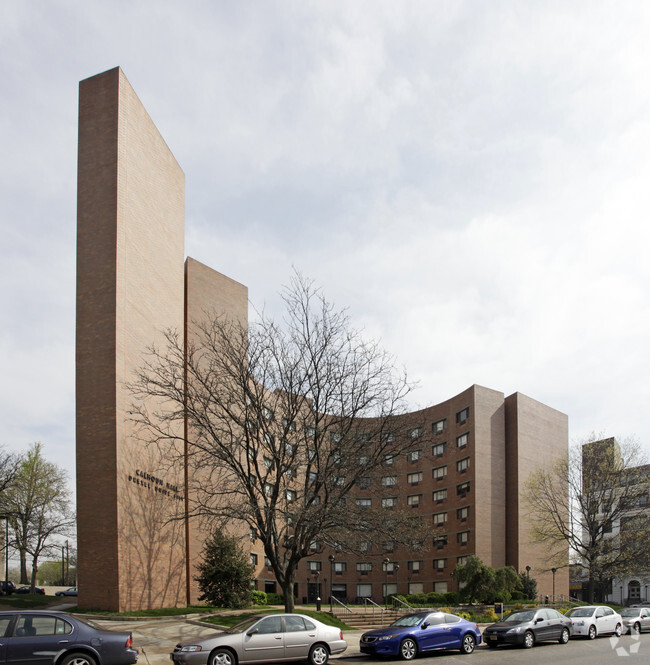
x: 155, y: 640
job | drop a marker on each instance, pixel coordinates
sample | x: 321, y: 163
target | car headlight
x: 579, y: 623
x: 191, y: 647
x: 512, y: 631
x: 386, y: 637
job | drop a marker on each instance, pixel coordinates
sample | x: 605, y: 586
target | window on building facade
x: 288, y: 448
x: 267, y: 462
x: 313, y: 566
x: 364, y: 546
x: 439, y: 519
x: 440, y: 495
x: 463, y: 489
x: 462, y: 415
x: 312, y: 476
x: 439, y: 449
x: 461, y: 561
x: 289, y: 426
x: 414, y: 456
x: 414, y: 499
x: 335, y: 437
x: 388, y: 460
x: 440, y: 587
x: 389, y: 502
x: 388, y: 546
x: 462, y: 465
x: 416, y: 587
x: 462, y: 440
x: 253, y: 559
x: 440, y: 541
x: 339, y: 567
x: 388, y: 437
x: 363, y: 503
x: 439, y: 564
x: 439, y: 426
x: 364, y: 567
x: 414, y: 478
x: 462, y: 537
x: 415, y: 566
x: 313, y: 546
x: 415, y: 433
x: 462, y: 514
x: 439, y: 472
x: 291, y: 495
x: 363, y: 482
x: 364, y: 460
x: 389, y: 481
x: 252, y: 534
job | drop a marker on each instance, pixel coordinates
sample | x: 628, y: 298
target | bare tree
x: 38, y: 506
x: 287, y: 424
x: 595, y: 500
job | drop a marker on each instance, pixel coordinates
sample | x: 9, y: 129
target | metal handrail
x: 343, y: 605
x: 373, y: 603
x: 401, y: 602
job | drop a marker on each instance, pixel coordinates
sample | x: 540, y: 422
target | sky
x: 469, y: 179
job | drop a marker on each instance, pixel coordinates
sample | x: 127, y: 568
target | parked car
x: 28, y: 589
x: 417, y: 633
x: 265, y: 637
x: 35, y: 636
x: 635, y: 619
x: 7, y: 587
x: 593, y: 620
x: 71, y: 591
x: 527, y: 627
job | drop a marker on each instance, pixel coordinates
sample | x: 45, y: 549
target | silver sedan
x: 265, y: 637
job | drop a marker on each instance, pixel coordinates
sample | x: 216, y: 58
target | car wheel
x: 618, y: 630
x: 636, y: 628
x: 469, y: 642
x: 222, y: 657
x: 78, y: 659
x: 318, y: 654
x: 408, y: 649
x: 592, y: 632
x: 529, y: 639
x: 564, y: 637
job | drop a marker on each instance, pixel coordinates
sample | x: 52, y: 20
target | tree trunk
x: 34, y: 571
x: 590, y: 588
x: 24, y: 579
x: 287, y: 590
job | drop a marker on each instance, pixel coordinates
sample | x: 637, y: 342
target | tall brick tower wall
x: 130, y: 283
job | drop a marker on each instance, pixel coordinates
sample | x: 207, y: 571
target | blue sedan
x: 424, y: 631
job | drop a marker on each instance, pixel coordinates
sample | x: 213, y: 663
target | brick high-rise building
x: 136, y: 547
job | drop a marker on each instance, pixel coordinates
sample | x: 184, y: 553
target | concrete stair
x: 367, y: 620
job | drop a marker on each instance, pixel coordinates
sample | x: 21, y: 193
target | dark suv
x: 7, y: 587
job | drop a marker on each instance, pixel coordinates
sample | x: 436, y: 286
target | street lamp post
x: 622, y: 595
x: 332, y: 558
x: 386, y: 562
x: 316, y: 582
x: 396, y: 569
x: 553, y: 570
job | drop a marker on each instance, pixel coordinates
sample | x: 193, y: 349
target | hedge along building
x: 137, y: 546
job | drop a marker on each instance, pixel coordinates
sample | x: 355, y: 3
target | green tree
x: 475, y: 580
x: 285, y: 422
x: 38, y: 506
x: 225, y: 575
x: 528, y: 586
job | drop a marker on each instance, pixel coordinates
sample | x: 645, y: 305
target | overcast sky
x: 471, y: 179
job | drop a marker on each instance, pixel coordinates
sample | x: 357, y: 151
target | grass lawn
x: 32, y: 601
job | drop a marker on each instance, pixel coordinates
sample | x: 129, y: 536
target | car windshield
x: 409, y: 620
x: 520, y: 617
x: 581, y: 612
x: 630, y: 612
x: 243, y: 626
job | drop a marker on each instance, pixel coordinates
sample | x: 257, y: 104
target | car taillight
x: 129, y: 642
x: 340, y: 634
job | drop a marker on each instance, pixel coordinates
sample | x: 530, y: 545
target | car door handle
x: 64, y: 641
x: 278, y: 638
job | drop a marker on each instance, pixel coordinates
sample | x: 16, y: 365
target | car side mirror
x: 252, y: 631
x: 538, y: 619
x: 425, y: 624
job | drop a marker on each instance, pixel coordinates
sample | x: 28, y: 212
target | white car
x: 593, y: 620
